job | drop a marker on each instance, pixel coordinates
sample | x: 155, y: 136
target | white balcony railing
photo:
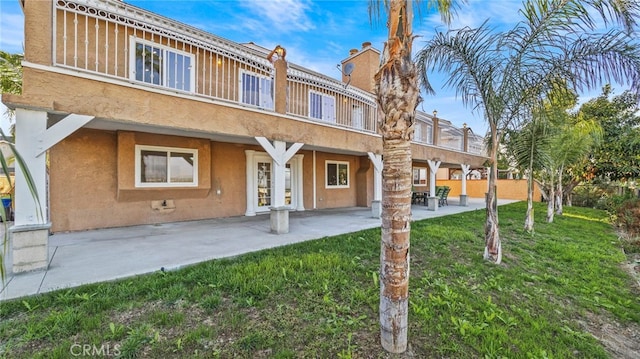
x: 476, y: 144
x: 423, y: 129
x: 450, y: 136
x: 325, y: 99
x: 115, y: 40
x: 119, y: 41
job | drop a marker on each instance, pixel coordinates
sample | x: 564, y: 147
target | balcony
x: 133, y: 47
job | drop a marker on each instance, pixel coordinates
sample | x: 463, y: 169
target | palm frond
x: 469, y: 57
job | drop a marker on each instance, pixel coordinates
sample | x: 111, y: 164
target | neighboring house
x: 148, y: 120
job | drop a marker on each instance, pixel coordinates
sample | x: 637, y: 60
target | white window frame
x: 357, y: 117
x: 327, y: 108
x: 417, y: 132
x: 417, y: 178
x: 337, y: 164
x: 134, y: 41
x: 168, y: 150
x: 265, y: 96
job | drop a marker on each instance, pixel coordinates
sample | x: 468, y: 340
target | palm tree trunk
x: 493, y: 247
x: 397, y: 96
x: 568, y: 190
x: 559, y: 192
x: 395, y: 242
x: 529, y: 218
x: 551, y: 200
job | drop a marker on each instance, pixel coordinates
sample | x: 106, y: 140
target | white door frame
x: 253, y: 157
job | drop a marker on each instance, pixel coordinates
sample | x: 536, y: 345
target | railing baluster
x: 86, y: 43
x: 64, y: 39
x: 75, y: 40
x: 115, y: 46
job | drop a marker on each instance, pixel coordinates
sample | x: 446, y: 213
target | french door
x: 260, y: 183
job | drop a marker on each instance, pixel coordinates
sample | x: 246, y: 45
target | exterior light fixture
x: 435, y: 113
x: 279, y: 51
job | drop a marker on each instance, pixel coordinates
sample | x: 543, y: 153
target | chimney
x: 366, y: 62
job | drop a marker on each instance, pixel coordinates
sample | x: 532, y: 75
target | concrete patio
x: 102, y: 255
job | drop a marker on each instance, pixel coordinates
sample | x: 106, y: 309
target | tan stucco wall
x: 85, y: 177
x: 37, y: 31
x: 507, y: 189
x: 336, y: 197
x: 127, y: 191
x: 91, y: 181
x: 72, y: 94
x: 366, y: 62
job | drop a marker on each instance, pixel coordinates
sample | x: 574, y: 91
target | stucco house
x: 127, y: 117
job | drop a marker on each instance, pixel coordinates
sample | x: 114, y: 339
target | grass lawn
x: 319, y: 299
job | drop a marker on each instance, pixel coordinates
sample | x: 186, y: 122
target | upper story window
x: 417, y: 132
x: 322, y: 106
x: 256, y: 90
x: 337, y: 174
x: 161, y: 65
x: 357, y: 117
x: 166, y: 166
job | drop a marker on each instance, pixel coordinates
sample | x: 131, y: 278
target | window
x: 256, y: 90
x: 322, y: 107
x: 159, y: 65
x: 419, y: 176
x: 337, y: 174
x: 417, y: 134
x: 356, y: 117
x: 166, y: 167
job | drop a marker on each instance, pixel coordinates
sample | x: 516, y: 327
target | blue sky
x: 317, y: 34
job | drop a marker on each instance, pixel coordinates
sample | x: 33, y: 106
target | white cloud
x: 283, y: 15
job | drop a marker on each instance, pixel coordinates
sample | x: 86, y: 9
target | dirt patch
x: 620, y: 340
x: 633, y: 268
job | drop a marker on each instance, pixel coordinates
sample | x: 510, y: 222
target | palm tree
x: 528, y: 147
x: 507, y: 74
x: 397, y: 94
x: 571, y: 141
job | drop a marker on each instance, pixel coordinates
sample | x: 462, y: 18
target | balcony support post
x: 464, y: 200
x: 31, y: 226
x: 433, y: 200
x: 376, y: 204
x: 280, y: 155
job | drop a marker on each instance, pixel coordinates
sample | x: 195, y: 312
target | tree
x: 506, y: 74
x: 529, y: 149
x: 618, y: 155
x: 10, y: 74
x: 571, y: 139
x: 397, y: 95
